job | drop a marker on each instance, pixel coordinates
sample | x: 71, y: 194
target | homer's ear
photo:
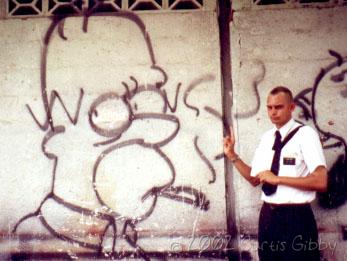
x: 303, y: 102
x: 154, y: 128
x: 161, y: 76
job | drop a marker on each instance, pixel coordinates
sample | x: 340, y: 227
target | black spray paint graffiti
x: 255, y: 85
x: 211, y: 111
x: 111, y: 223
x: 192, y: 86
x: 190, y: 89
x: 256, y: 81
x: 204, y: 159
x: 330, y: 82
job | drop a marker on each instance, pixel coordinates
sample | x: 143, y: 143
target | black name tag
x: 288, y: 161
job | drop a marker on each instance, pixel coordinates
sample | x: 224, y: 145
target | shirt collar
x: 284, y: 130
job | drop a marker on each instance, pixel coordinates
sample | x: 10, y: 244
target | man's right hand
x: 229, y: 144
x: 243, y: 168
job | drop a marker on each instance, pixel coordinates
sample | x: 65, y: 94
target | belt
x: 286, y: 205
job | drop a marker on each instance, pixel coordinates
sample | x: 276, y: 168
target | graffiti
x: 219, y: 117
x: 191, y: 87
x: 256, y: 81
x: 226, y: 126
x: 204, y: 159
x: 118, y: 120
x: 326, y: 116
x: 344, y: 232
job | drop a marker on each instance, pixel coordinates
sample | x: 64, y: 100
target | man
x: 290, y: 164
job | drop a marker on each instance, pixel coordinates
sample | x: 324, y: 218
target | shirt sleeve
x: 311, y: 148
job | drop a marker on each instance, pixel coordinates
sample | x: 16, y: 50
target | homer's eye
x: 339, y: 77
x: 148, y: 101
x: 109, y: 115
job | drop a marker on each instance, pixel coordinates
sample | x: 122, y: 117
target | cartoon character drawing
x: 110, y: 125
x: 324, y: 104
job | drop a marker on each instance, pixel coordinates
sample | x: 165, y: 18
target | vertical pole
x: 224, y: 18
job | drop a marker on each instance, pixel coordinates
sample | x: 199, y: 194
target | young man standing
x: 290, y: 165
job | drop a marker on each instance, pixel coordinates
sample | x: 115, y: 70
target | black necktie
x: 275, y: 166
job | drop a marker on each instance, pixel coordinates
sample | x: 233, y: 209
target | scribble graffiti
x: 242, y: 115
x: 256, y: 81
x: 113, y: 139
x: 191, y: 87
x: 327, y: 117
x: 225, y: 123
x: 204, y: 159
x: 218, y: 116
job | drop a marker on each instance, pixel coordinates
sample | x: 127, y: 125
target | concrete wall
x: 110, y: 126
x: 291, y: 47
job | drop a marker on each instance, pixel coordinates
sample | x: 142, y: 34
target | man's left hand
x: 268, y: 177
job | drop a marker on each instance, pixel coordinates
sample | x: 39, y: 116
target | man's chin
x: 278, y: 123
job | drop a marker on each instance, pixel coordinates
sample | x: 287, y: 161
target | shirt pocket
x: 290, y: 159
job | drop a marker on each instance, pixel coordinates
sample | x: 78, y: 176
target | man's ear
x: 292, y: 106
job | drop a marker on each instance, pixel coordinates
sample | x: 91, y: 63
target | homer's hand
x: 229, y: 143
x: 268, y: 177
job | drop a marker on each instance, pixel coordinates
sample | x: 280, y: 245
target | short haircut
x: 283, y: 89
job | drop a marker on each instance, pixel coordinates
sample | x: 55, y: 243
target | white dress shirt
x: 299, y: 157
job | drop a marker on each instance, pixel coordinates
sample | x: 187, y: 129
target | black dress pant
x: 287, y: 232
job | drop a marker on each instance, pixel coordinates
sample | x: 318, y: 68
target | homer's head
x: 101, y: 55
x: 110, y: 60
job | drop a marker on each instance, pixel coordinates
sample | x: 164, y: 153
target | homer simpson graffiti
x: 121, y: 119
x: 325, y: 105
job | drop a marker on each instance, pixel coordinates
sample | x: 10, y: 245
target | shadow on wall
x: 325, y: 105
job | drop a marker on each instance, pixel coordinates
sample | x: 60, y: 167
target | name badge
x: 288, y: 161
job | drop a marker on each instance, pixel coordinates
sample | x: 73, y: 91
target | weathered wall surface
x: 110, y: 126
x: 291, y: 47
x: 109, y: 130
